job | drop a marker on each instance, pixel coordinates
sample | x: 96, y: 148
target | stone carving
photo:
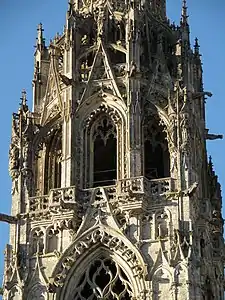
x: 153, y: 229
x: 98, y: 236
x: 104, y: 267
x: 13, y: 158
x: 15, y: 294
x: 161, y: 284
x: 38, y: 292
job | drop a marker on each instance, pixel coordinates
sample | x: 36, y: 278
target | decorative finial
x: 210, y: 166
x: 71, y: 6
x: 23, y: 104
x: 40, y: 38
x: 24, y: 97
x: 184, y: 16
x: 196, y: 46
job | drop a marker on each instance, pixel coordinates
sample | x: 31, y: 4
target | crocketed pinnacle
x: 23, y: 98
x: 184, y: 15
x: 40, y: 38
x: 196, y: 46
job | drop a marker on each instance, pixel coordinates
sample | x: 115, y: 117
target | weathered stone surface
x: 112, y: 194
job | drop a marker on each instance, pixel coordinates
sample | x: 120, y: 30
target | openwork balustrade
x: 154, y: 187
x: 57, y: 197
x: 66, y: 197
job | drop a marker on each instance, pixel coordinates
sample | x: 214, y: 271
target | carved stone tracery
x: 105, y: 279
x: 119, y: 75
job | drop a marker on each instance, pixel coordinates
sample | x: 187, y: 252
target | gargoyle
x: 67, y: 81
x: 191, y: 190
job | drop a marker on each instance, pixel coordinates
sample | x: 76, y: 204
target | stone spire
x: 184, y: 26
x: 113, y: 159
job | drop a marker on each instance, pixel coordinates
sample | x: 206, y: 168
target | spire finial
x: 210, y: 166
x: 71, y: 6
x: 40, y: 38
x: 184, y: 16
x: 196, y: 46
x: 24, y: 97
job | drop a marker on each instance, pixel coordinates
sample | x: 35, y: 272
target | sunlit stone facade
x: 113, y: 196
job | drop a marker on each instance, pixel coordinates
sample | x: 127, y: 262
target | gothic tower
x: 113, y: 196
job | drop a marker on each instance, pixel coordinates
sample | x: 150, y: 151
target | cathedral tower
x: 113, y: 196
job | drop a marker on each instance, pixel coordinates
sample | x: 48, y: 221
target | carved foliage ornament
x: 97, y: 236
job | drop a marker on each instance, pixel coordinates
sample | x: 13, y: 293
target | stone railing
x: 154, y: 187
x: 55, y: 198
x: 70, y: 196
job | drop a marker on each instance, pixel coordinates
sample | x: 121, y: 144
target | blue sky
x: 18, y: 22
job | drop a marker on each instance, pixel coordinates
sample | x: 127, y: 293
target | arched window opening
x: 53, y: 161
x: 161, y: 285
x: 116, y: 57
x: 86, y: 63
x: 103, y: 279
x: 105, y: 153
x: 37, y: 242
x: 52, y: 240
x: 117, y: 31
x: 156, y: 153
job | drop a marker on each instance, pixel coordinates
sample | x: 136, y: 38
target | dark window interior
x: 53, y: 162
x: 103, y: 281
x: 105, y: 154
x: 156, y: 154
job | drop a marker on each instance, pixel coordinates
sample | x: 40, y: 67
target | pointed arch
x: 156, y: 151
x: 163, y: 221
x: 37, y: 240
x: 103, y: 141
x: 53, y: 156
x: 102, y: 274
x: 105, y: 242
x: 37, y: 292
x: 102, y: 127
x: 161, y: 284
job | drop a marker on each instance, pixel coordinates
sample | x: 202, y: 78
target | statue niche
x: 156, y: 153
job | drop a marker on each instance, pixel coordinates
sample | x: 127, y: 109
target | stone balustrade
x: 55, y: 198
x: 154, y: 187
x: 68, y: 197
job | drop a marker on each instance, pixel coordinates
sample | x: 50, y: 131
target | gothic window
x: 161, y: 285
x: 52, y: 240
x: 86, y: 63
x: 117, y: 30
x: 156, y: 153
x: 116, y: 57
x: 53, y: 161
x: 180, y: 276
x: 104, y: 139
x: 103, y: 279
x: 37, y: 241
x: 38, y: 292
x: 162, y: 226
x: 147, y: 227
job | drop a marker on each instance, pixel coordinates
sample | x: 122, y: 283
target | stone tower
x: 112, y: 193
